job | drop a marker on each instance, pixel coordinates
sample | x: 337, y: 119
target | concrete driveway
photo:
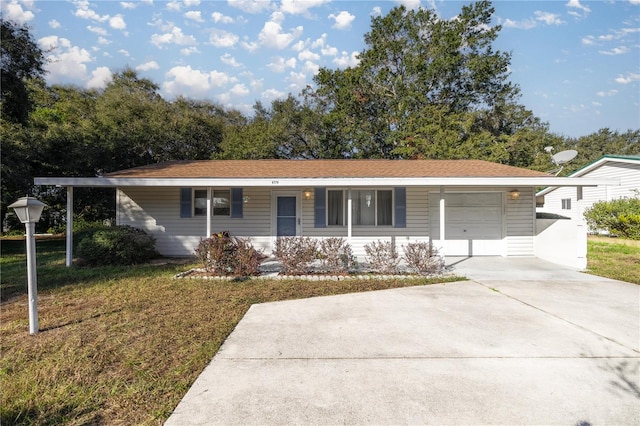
x: 522, y: 342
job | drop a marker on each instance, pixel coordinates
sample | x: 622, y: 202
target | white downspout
x: 69, y: 247
x: 581, y: 229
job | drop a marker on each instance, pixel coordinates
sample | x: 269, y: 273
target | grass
x: 614, y: 258
x: 120, y: 345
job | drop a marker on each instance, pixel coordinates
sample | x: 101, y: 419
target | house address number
x: 275, y: 182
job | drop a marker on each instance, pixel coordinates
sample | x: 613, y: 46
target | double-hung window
x: 221, y: 202
x: 372, y: 207
x: 566, y: 204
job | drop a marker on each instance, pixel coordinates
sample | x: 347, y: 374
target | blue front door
x: 286, y: 208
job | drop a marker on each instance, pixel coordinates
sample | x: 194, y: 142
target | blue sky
x: 577, y: 62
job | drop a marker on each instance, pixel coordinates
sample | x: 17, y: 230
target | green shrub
x: 223, y: 254
x: 296, y: 254
x: 619, y: 217
x: 115, y: 245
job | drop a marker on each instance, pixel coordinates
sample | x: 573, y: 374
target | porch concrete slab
x: 469, y: 352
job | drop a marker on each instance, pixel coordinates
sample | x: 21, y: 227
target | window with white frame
x: 566, y: 204
x: 221, y: 202
x: 372, y: 207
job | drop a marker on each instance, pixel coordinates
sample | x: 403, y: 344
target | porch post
x: 349, y: 215
x: 69, y: 247
x: 581, y: 229
x: 442, y: 221
x: 208, y: 212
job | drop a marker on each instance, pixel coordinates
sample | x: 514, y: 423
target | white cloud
x: 311, y: 67
x: 251, y: 6
x: 525, y: 24
x: 271, y: 95
x: 189, y: 51
x: 410, y: 4
x: 239, y: 90
x: 228, y: 59
x: 100, y: 77
x: 194, y: 15
x: 103, y: 41
x: 609, y: 93
x: 151, y: 65
x: 191, y: 3
x: 297, y: 81
x: 97, y: 30
x: 83, y: 11
x: 621, y: 50
x: 307, y: 55
x: 124, y: 52
x: 250, y: 46
x: 629, y: 78
x: 298, y: 7
x: 185, y: 80
x: 548, y: 18
x: 347, y: 60
x: 128, y: 4
x: 256, y: 84
x: 634, y: 1
x: 376, y: 11
x: 117, y: 22
x: 176, y: 36
x: 588, y: 40
x: 174, y: 6
x: 65, y: 62
x: 273, y: 36
x: 219, y: 18
x: 13, y: 11
x: 342, y: 20
x: 577, y: 9
x: 54, y: 24
x: 279, y: 64
x: 221, y: 38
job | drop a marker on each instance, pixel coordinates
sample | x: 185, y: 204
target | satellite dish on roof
x: 561, y: 158
x: 564, y: 156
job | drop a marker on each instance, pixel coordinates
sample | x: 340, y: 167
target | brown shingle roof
x: 324, y: 169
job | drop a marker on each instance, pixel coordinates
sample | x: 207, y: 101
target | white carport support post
x: 442, y: 222
x: 208, y: 212
x: 581, y: 229
x: 69, y: 251
x: 349, y: 216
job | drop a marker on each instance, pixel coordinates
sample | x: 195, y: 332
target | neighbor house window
x: 335, y: 207
x: 200, y: 202
x: 222, y: 203
x: 372, y: 207
x: 566, y: 204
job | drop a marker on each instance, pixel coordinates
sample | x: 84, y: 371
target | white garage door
x: 473, y: 223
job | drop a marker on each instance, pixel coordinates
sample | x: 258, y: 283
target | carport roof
x: 320, y: 172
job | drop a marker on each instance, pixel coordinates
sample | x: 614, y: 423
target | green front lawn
x: 120, y: 345
x: 614, y: 258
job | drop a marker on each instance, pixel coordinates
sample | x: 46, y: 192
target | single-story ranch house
x: 466, y: 207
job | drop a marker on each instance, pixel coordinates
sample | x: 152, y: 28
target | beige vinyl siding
x: 520, y: 223
x: 157, y: 211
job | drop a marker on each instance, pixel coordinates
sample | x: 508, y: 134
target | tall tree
x: 20, y: 60
x: 423, y: 88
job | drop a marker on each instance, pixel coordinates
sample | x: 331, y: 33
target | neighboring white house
x: 564, y: 200
x: 466, y: 207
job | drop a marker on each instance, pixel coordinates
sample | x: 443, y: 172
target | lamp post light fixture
x: 28, y: 210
